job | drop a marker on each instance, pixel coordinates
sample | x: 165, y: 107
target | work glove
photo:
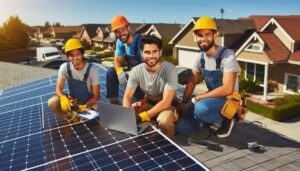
x: 122, y: 76
x: 189, y: 107
x: 65, y: 103
x: 142, y: 117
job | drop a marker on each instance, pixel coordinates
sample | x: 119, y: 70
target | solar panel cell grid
x: 33, y: 138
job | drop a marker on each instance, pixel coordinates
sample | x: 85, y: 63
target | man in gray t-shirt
x: 83, y: 81
x: 219, y: 68
x: 158, y: 80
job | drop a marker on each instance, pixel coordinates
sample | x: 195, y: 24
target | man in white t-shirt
x: 219, y: 68
x: 158, y: 80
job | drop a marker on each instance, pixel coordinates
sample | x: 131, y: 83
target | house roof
x: 168, y: 30
x: 274, y: 48
x: 261, y: 20
x: 67, y: 29
x: 291, y: 26
x: 109, y: 39
x: 142, y: 29
x: 92, y: 28
x: 295, y: 56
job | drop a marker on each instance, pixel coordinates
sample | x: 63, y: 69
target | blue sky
x: 76, y: 12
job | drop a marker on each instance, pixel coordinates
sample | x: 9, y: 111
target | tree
x: 47, y: 24
x: 57, y: 24
x: 86, y: 45
x: 222, y: 12
x: 15, y: 34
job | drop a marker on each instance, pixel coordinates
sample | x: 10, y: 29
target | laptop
x: 120, y: 118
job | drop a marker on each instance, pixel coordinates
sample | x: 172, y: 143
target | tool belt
x: 234, y: 105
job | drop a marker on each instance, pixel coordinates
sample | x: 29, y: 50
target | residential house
x: 89, y: 31
x: 272, y: 55
x: 65, y: 32
x: 102, y: 32
x: 231, y: 34
x: 41, y: 32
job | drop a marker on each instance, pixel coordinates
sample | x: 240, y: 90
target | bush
x: 288, y: 98
x: 86, y: 45
x: 169, y: 59
x: 285, y: 112
x: 279, y: 113
x: 249, y: 85
x: 107, y: 54
x: 97, y: 48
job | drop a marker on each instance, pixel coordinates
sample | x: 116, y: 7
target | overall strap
x: 202, y: 60
x: 86, y: 75
x: 69, y: 70
x: 220, y: 58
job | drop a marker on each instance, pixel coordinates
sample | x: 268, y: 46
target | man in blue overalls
x: 127, y: 47
x: 219, y: 68
x: 83, y: 81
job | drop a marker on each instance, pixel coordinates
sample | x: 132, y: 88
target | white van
x: 47, y: 53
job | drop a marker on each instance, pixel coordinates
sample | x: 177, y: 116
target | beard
x: 151, y: 63
x: 124, y: 38
x: 207, y: 47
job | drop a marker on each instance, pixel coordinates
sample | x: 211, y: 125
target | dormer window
x: 254, y: 48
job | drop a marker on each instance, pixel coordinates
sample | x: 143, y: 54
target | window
x: 255, y: 71
x: 254, y: 48
x: 292, y: 83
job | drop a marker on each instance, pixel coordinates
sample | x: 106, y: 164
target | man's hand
x: 121, y: 76
x: 142, y: 117
x: 65, y: 103
x: 189, y: 107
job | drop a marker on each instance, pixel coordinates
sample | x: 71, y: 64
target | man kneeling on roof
x: 83, y: 81
x: 158, y: 80
x: 219, y: 67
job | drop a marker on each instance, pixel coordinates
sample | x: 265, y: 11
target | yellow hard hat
x: 118, y: 21
x: 72, y: 44
x: 205, y: 22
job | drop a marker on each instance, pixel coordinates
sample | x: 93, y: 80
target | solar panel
x: 33, y: 138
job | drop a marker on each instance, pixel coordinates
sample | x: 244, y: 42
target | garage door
x: 187, y: 57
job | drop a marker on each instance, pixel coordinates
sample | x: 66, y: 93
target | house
x: 272, y: 55
x: 89, y: 31
x: 41, y: 32
x: 65, y: 32
x: 102, y: 32
x: 231, y: 34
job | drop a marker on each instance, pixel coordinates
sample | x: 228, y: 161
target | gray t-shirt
x: 154, y: 84
x: 92, y: 80
x: 229, y: 63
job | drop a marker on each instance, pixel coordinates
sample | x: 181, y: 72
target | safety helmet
x: 118, y: 21
x: 205, y: 22
x: 72, y: 44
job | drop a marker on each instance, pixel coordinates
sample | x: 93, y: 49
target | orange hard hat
x: 118, y: 21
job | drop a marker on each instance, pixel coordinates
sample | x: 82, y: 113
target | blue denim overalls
x: 206, y: 110
x: 77, y: 88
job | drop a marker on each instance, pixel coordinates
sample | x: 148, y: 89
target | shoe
x: 215, y: 127
x: 225, y: 129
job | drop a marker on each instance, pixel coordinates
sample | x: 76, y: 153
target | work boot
x: 226, y: 128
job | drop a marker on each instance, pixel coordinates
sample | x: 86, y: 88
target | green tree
x: 86, y: 44
x: 15, y: 34
x: 56, y: 24
x: 47, y: 24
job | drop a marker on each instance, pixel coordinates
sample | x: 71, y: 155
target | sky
x: 76, y: 12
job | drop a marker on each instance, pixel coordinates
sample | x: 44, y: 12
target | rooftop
x: 277, y: 151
